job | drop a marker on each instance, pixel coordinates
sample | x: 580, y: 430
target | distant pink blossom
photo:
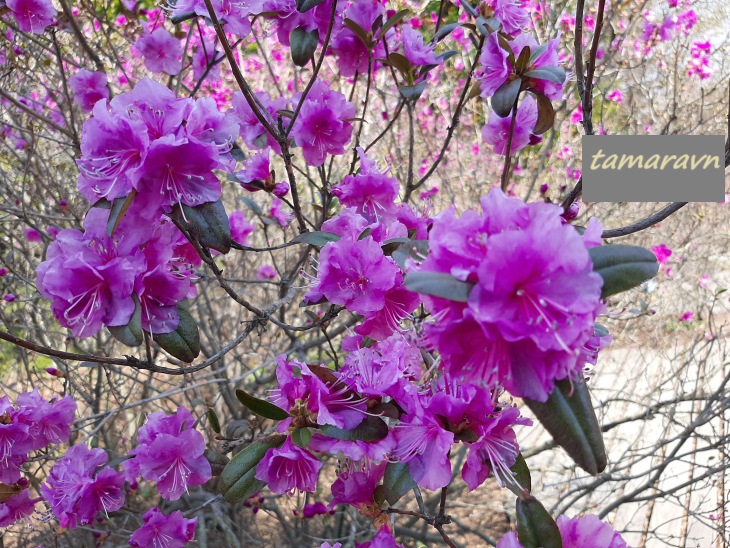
x: 497, y: 130
x: 616, y: 96
x: 662, y: 253
x: 162, y: 51
x: 266, y: 272
x: 32, y: 15
x: 88, y: 87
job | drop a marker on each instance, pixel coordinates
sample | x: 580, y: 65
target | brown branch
x: 657, y: 217
x: 80, y: 36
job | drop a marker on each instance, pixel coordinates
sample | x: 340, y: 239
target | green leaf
x: 523, y: 59
x: 184, y: 342
x: 569, y: 418
x: 301, y: 437
x: 238, y: 481
x: 397, y: 481
x: 118, y: 210
x: 553, y: 74
x: 317, y: 239
x: 360, y: 32
x: 545, y: 113
x: 370, y: 429
x: 438, y: 284
x: 413, y: 92
x: 261, y: 407
x: 622, y: 267
x: 208, y: 223
x: 504, y: 98
x: 520, y: 481
x: 393, y: 21
x: 444, y: 31
x: 401, y: 63
x: 537, y: 52
x: 304, y: 6
x: 535, y: 527
x: 130, y: 334
x: 253, y: 206
x: 389, y: 246
x: 303, y: 45
x: 213, y: 421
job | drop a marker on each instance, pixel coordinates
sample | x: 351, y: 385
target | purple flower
x: 164, y: 530
x: 88, y: 87
x: 615, y: 96
x: 32, y: 15
x: 662, y: 253
x: 322, y: 126
x: 170, y: 453
x: 240, y: 227
x: 588, y: 530
x: 357, y: 488
x: 17, y: 507
x: 48, y: 422
x: 278, y: 213
x: 252, y: 130
x: 512, y: 15
x: 162, y: 52
x: 495, y: 68
x: 497, y: 130
x: 352, y: 54
x: 178, y: 171
x: 384, y: 539
x: 355, y: 274
x: 287, y: 468
x: 266, y: 272
x: 75, y: 494
x: 415, y: 50
x: 425, y: 445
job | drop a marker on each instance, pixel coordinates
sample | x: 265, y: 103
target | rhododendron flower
x: 497, y: 130
x: 76, y: 494
x: 384, y: 539
x: 88, y: 87
x: 278, y: 214
x: 580, y: 532
x: 512, y: 15
x: 164, y: 530
x: 352, y: 54
x: 615, y: 96
x: 287, y: 468
x: 495, y: 68
x: 370, y: 192
x: 425, y: 445
x: 418, y: 53
x: 169, y: 452
x: 162, y: 52
x: 32, y: 15
x: 662, y: 253
x: 357, y: 488
x: 252, y: 130
x: 322, y: 126
x: 240, y: 227
x: 16, y: 508
x: 534, y: 300
x: 266, y: 272
x: 355, y: 274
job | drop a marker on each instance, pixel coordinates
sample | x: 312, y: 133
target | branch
x: 657, y: 217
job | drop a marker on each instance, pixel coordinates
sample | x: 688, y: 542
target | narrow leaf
x: 301, y: 437
x: 238, y: 481
x: 535, y: 527
x: 413, y: 92
x: 397, y: 481
x: 545, y: 113
x: 261, y: 407
x: 304, y: 6
x: 130, y: 334
x: 208, y: 222
x: 370, y: 429
x: 523, y: 59
x: 438, y: 284
x: 360, y: 32
x: 184, y: 342
x: 553, y: 74
x: 303, y: 45
x: 213, y: 421
x: 118, y: 210
x: 622, y: 267
x: 444, y: 31
x: 317, y: 239
x: 393, y: 21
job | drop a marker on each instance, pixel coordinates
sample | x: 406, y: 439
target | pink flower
x: 32, y: 15
x: 687, y: 316
x: 322, y: 126
x: 370, y: 192
x: 75, y: 494
x: 512, y: 15
x: 383, y: 539
x: 252, y: 130
x: 240, y: 227
x: 418, y: 53
x: 287, y: 468
x: 577, y: 533
x: 164, y: 530
x: 162, y: 52
x: 17, y: 507
x: 495, y: 68
x: 32, y: 235
x: 615, y: 96
x: 497, y: 130
x: 266, y: 272
x: 662, y: 253
x: 277, y: 213
x: 88, y: 87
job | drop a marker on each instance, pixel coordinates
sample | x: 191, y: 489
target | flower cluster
x: 169, y: 452
x: 534, y: 297
x: 577, y: 533
x: 699, y: 64
x: 31, y: 424
x: 168, y: 530
x: 77, y: 491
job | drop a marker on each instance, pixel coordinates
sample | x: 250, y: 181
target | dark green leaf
x: 238, y: 481
x: 317, y: 239
x: 261, y: 407
x: 569, y: 418
x: 520, y: 481
x: 304, y: 6
x: 370, y: 429
x: 622, y: 267
x: 359, y: 32
x: 130, y: 334
x: 444, y: 31
x: 401, y: 63
x: 438, y: 284
x: 535, y: 527
x: 393, y: 21
x: 118, y: 210
x: 253, y: 206
x: 303, y: 45
x: 468, y: 8
x: 301, y: 437
x: 413, y: 92
x: 504, y: 98
x: 397, y: 481
x: 213, y: 421
x: 545, y: 114
x: 208, y: 223
x: 523, y: 59
x: 535, y: 53
x: 389, y: 246
x: 553, y: 74
x: 184, y: 342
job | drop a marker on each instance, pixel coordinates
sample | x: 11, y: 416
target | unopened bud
x: 55, y: 372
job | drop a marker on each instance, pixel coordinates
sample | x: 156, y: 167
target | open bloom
x: 32, y: 15
x: 577, y: 533
x: 162, y: 52
x: 88, y: 87
x: 164, y: 530
x: 497, y: 130
x: 287, y: 468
